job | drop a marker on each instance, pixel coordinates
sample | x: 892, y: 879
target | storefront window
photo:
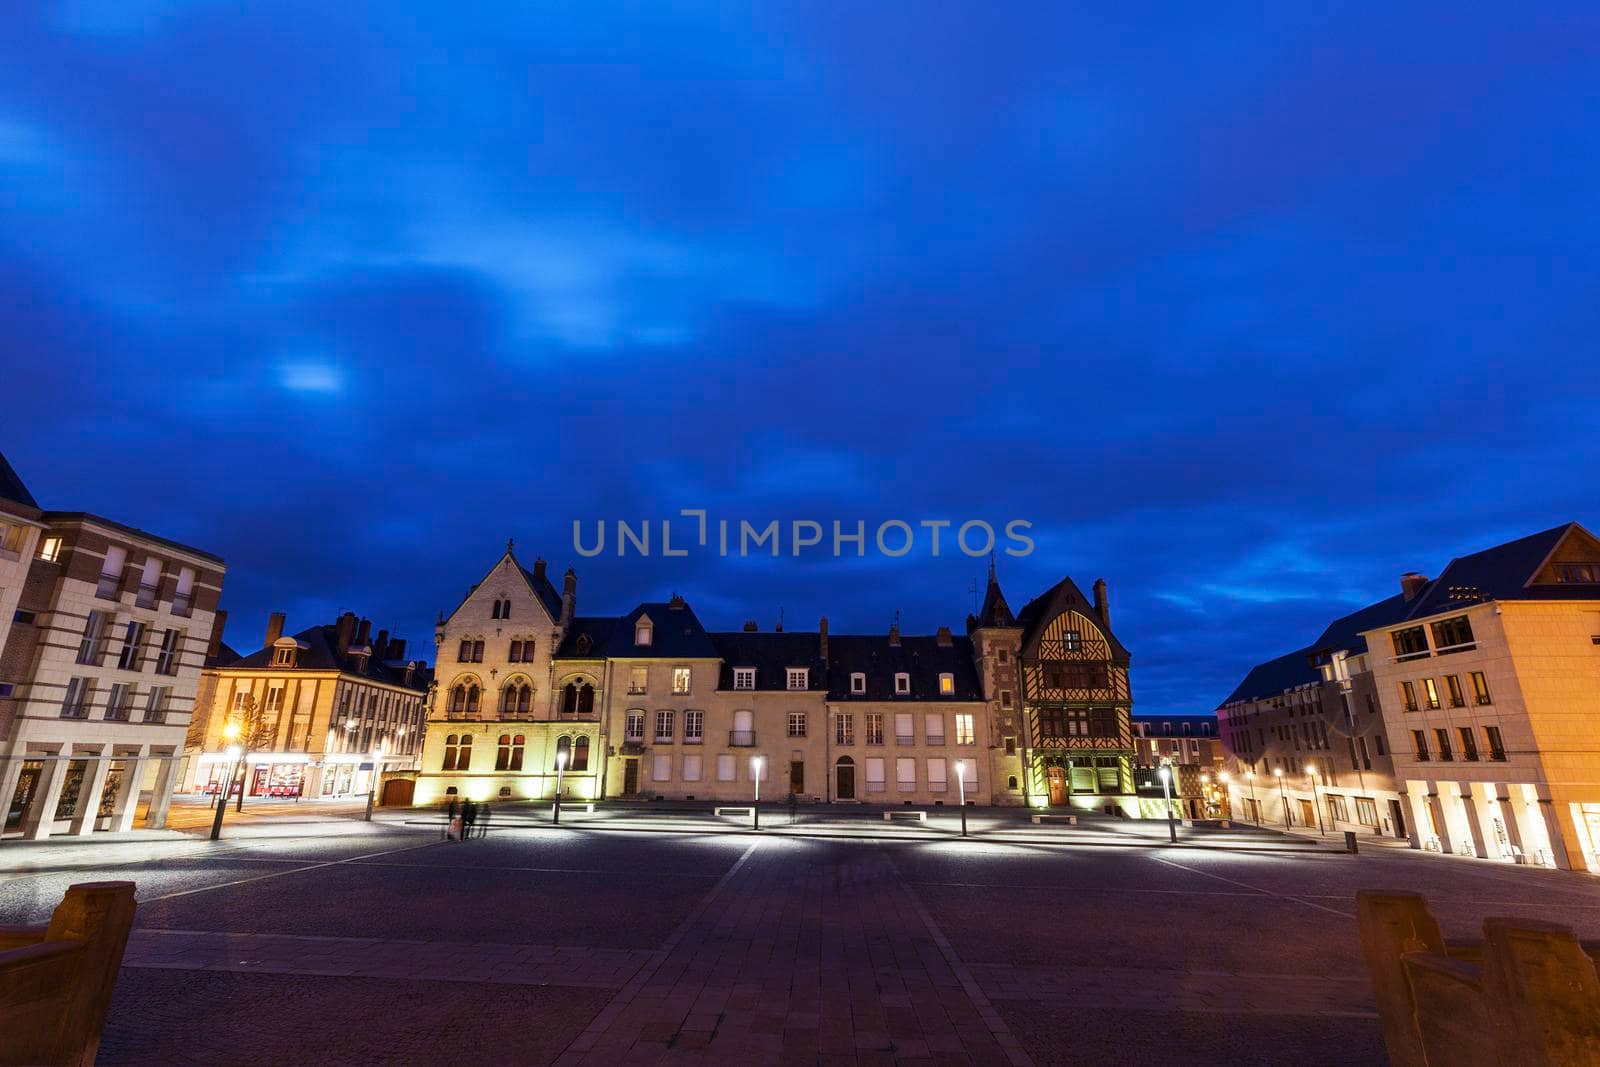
x: 72, y: 789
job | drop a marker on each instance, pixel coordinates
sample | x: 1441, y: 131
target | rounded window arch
x: 502, y: 755
x: 465, y: 696
x: 577, y: 697
x: 516, y: 696
x: 563, y: 748
x: 580, y: 754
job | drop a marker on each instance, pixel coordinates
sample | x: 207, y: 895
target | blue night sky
x: 1247, y: 309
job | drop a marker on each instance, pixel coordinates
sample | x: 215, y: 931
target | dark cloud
x: 1246, y: 311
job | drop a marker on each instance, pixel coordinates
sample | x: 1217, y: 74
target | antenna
x: 973, y: 589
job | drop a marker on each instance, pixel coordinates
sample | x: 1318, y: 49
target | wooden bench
x: 920, y: 816
x: 1044, y: 817
x: 56, y: 980
x: 735, y: 810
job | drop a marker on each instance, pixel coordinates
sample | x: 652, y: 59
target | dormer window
x: 283, y: 657
x: 1072, y: 640
x: 1579, y: 573
x: 858, y: 683
x: 947, y: 685
x: 643, y: 634
x: 744, y: 677
x: 799, y: 677
x: 902, y: 684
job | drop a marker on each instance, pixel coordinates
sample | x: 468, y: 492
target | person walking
x: 483, y: 820
x: 450, y: 825
x: 469, y: 815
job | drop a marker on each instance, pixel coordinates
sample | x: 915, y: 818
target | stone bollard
x: 1350, y: 841
x: 1390, y: 925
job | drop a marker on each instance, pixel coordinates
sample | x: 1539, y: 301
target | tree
x: 252, y: 732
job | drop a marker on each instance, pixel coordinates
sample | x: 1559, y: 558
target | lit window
x: 902, y: 684
x: 858, y: 683
x: 50, y: 549
x: 642, y: 634
x: 947, y: 684
x: 680, y: 680
x: 638, y: 679
x: 964, y: 734
x: 798, y: 677
x: 1480, y: 688
x: 744, y: 677
x: 1072, y: 640
x: 1431, y: 691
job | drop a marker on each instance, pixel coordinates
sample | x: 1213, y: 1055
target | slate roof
x: 1500, y: 573
x: 1344, y: 634
x: 1036, y: 613
x: 676, y: 634
x: 320, y: 652
x: 226, y: 656
x: 922, y: 657
x: 597, y: 628
x: 540, y: 584
x: 995, y: 610
x: 11, y: 487
x: 771, y: 654
x: 1274, y: 676
x: 1172, y: 725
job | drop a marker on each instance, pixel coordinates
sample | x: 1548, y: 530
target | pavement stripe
x: 280, y: 874
x: 1258, y: 889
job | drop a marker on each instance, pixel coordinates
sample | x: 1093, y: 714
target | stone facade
x: 102, y: 665
x: 650, y: 705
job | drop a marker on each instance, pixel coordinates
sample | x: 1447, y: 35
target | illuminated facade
x: 649, y: 704
x: 320, y: 712
x: 99, y: 666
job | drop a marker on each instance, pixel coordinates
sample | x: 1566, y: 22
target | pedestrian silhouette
x: 469, y: 815
x: 483, y: 819
x: 450, y: 819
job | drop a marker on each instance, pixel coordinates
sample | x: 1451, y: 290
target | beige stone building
x: 99, y: 668
x: 1489, y: 684
x: 325, y: 712
x: 649, y: 704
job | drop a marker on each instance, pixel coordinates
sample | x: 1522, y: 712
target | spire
x: 995, y: 610
x: 511, y: 543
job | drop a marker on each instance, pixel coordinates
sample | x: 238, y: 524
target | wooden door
x: 797, y: 776
x: 1057, y: 777
x: 630, y: 777
x: 846, y: 788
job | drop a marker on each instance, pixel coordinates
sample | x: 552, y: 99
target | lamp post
x: 961, y: 794
x: 1166, y: 792
x: 234, y: 752
x: 372, y: 783
x: 1255, y: 808
x: 1227, y: 791
x: 561, y: 767
x: 1316, y: 802
x: 755, y: 811
x: 1277, y: 772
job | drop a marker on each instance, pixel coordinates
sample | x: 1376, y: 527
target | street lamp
x: 1227, y: 791
x: 1311, y: 773
x: 755, y: 811
x: 235, y: 753
x: 1166, y: 791
x: 961, y: 792
x: 1277, y: 772
x: 1205, y: 792
x: 372, y: 784
x: 561, y: 767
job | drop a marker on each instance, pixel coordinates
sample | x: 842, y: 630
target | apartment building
x: 99, y: 670
x: 650, y: 704
x: 1489, y: 685
x: 1191, y: 747
x: 329, y: 711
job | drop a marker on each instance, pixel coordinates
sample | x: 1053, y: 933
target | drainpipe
x: 827, y: 753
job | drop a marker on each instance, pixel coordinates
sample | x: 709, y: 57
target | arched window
x: 472, y: 700
x: 449, y: 753
x: 464, y: 698
x: 516, y: 752
x: 564, y: 746
x: 569, y: 699
x: 586, y: 699
x: 464, y: 757
x: 580, y: 755
x: 502, y: 756
x: 516, y: 697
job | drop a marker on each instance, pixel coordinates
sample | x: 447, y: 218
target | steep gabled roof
x: 11, y: 487
x: 587, y: 637
x: 1503, y: 572
x: 1065, y: 594
x: 771, y: 654
x: 921, y: 657
x: 540, y: 584
x: 995, y: 610
x: 1275, y: 676
x: 319, y: 651
x: 676, y: 633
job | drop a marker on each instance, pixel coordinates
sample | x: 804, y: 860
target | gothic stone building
x: 650, y: 704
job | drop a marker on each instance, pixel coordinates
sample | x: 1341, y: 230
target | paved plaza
x: 623, y: 937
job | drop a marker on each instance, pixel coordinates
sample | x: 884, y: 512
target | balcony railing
x: 936, y: 739
x: 741, y: 738
x: 904, y: 739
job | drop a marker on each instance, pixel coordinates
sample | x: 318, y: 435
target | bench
x: 585, y: 806
x: 920, y: 816
x: 745, y: 810
x: 1070, y: 820
x: 56, y: 980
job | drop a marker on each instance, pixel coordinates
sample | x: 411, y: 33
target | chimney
x: 380, y: 648
x: 218, y: 623
x: 364, y: 633
x: 345, y: 631
x: 944, y: 637
x: 538, y: 567
x: 275, y: 623
x: 569, y: 597
x: 750, y: 626
x: 822, y: 636
x: 677, y: 603
x: 397, y: 649
x: 894, y: 636
x: 1102, y: 606
x: 1412, y: 583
